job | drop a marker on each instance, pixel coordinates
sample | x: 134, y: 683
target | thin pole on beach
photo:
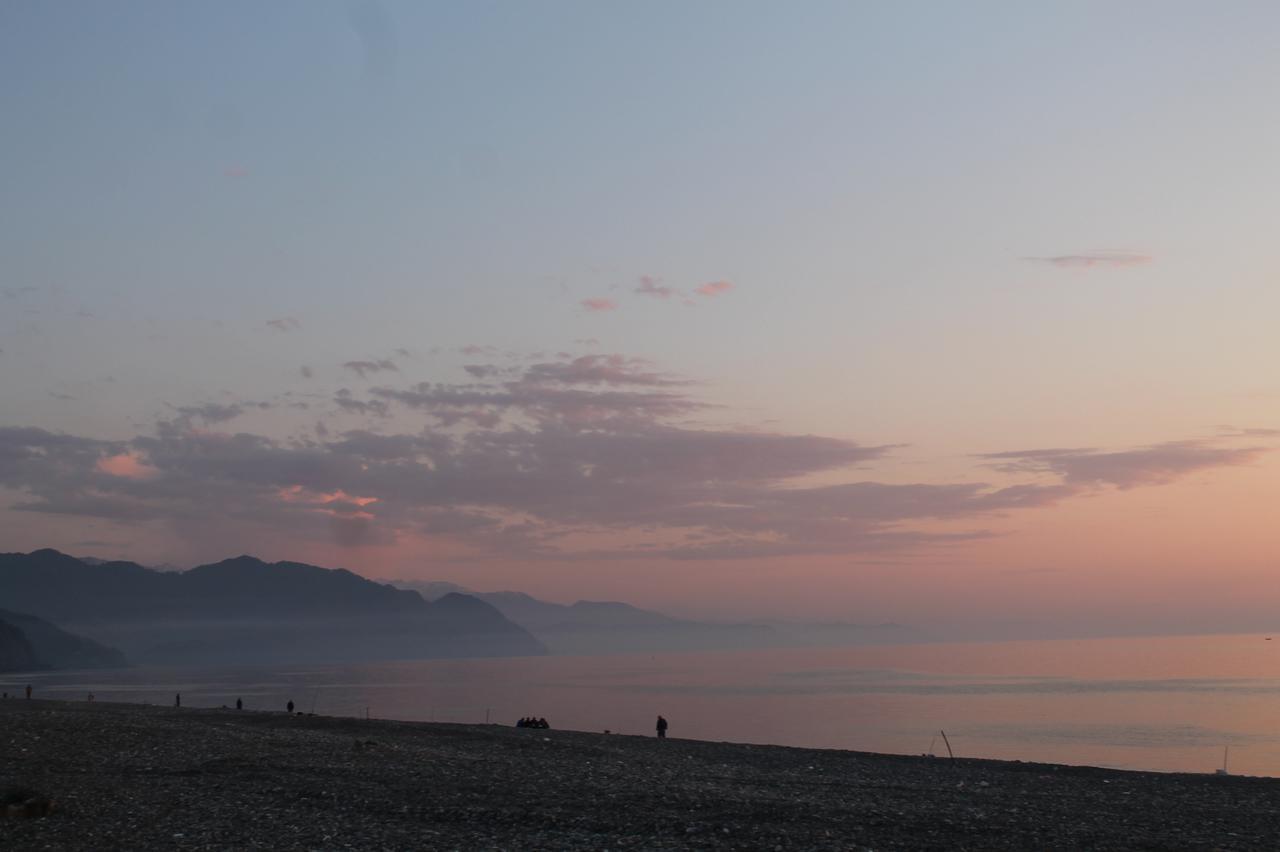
x: 950, y: 753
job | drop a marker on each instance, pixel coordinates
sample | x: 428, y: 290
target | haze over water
x: 1163, y: 703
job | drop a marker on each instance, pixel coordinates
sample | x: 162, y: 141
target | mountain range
x: 244, y: 610
x: 602, y: 627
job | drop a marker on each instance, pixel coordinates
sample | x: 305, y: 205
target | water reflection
x: 1165, y: 704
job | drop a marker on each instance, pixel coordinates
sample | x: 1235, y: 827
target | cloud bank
x: 591, y: 457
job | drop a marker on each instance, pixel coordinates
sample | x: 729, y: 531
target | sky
x: 954, y: 315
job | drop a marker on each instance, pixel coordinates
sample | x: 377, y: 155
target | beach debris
x: 950, y: 753
x: 24, y: 803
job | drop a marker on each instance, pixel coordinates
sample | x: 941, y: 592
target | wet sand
x: 140, y: 777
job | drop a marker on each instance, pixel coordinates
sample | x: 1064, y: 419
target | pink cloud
x: 126, y: 466
x: 596, y: 306
x: 715, y: 288
x: 338, y: 503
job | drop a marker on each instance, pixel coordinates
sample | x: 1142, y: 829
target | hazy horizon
x: 959, y: 318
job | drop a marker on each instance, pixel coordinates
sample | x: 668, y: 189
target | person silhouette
x: 239, y: 704
x: 289, y: 706
x: 28, y: 691
x: 662, y: 728
x: 177, y: 700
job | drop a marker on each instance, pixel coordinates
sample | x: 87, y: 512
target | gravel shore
x: 140, y: 778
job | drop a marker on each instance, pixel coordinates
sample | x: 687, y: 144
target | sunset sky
x: 957, y: 315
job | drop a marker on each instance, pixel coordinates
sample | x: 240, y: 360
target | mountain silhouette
x: 602, y: 627
x: 244, y: 610
x: 16, y: 653
x: 55, y: 648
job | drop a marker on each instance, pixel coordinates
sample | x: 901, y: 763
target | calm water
x: 1151, y: 703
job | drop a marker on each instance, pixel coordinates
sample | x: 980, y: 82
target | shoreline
x: 135, y: 776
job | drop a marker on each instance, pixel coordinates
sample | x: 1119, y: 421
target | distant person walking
x: 662, y: 728
x: 239, y: 704
x: 177, y: 700
x: 28, y: 692
x: 289, y: 706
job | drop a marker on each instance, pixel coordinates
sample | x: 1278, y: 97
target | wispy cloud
x: 1226, y: 431
x: 347, y: 401
x: 482, y: 371
x: 1092, y: 260
x: 714, y: 288
x: 364, y: 368
x: 284, y: 324
x: 601, y: 369
x: 210, y: 412
x: 651, y: 286
x: 376, y: 31
x: 1153, y: 465
x: 598, y: 305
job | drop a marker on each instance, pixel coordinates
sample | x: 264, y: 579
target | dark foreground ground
x: 141, y: 778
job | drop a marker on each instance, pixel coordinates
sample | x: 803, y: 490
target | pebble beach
x: 141, y: 777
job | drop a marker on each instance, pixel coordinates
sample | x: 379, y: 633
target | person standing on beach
x: 662, y: 728
x: 28, y: 692
x: 239, y: 704
x: 177, y: 700
x: 289, y: 706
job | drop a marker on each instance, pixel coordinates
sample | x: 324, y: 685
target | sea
x: 1173, y: 704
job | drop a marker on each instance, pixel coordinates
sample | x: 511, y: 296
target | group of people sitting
x: 531, y: 722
